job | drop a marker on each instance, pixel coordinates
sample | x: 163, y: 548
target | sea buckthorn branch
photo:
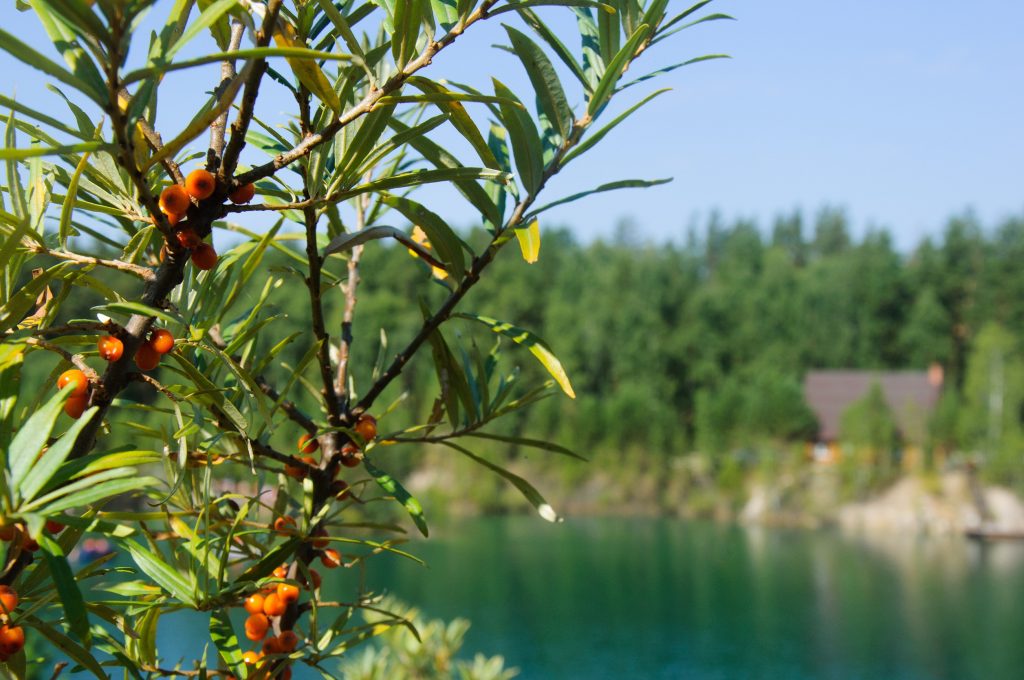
x: 348, y: 315
x: 368, y: 102
x: 144, y: 273
x: 227, y: 74
x: 247, y: 107
x: 77, y: 359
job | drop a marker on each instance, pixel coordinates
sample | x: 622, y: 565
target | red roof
x: 911, y: 396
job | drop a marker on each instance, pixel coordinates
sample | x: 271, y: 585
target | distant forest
x: 702, y: 345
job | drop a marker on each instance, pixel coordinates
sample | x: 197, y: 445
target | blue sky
x: 903, y: 113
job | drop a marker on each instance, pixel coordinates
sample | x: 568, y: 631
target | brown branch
x: 247, y: 107
x: 144, y: 273
x: 102, y: 326
x: 313, y: 283
x: 349, y: 288
x: 368, y: 102
x: 156, y: 143
x: 227, y: 74
x: 480, y: 262
x: 149, y: 380
x: 76, y: 359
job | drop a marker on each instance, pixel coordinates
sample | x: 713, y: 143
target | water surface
x: 642, y: 598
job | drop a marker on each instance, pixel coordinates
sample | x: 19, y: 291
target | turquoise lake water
x: 652, y: 598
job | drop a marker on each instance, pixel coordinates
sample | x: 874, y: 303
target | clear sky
x: 903, y: 113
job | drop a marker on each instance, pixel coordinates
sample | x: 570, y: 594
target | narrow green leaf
x: 441, y: 236
x: 559, y: 48
x: 66, y: 208
x: 67, y: 588
x: 537, y: 346
x: 526, y: 145
x: 460, y: 119
x: 523, y: 441
x: 346, y: 242
x: 395, y: 488
x: 531, y: 494
x: 205, y: 19
x: 614, y: 71
x: 610, y: 186
x: 544, y: 80
x: 224, y: 638
x: 32, y: 437
x: 300, y: 53
x: 166, y: 576
x: 10, y: 153
x: 46, y: 466
x: 75, y: 651
x: 596, y: 137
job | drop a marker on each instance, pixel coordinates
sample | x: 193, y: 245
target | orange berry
x: 320, y: 538
x: 188, y: 238
x: 274, y: 606
x: 288, y: 641
x: 286, y: 674
x: 283, y: 524
x: 8, y: 599
x: 76, y: 376
x: 110, y: 348
x: 7, y: 532
x: 330, y: 558
x: 366, y: 427
x: 350, y: 458
x: 242, y: 193
x: 147, y: 358
x: 256, y: 626
x: 295, y: 471
x: 75, y: 406
x: 287, y: 592
x: 174, y: 200
x: 200, y: 184
x: 254, y: 604
x: 308, y: 444
x: 161, y: 341
x: 163, y: 252
x: 54, y: 527
x: 272, y: 646
x: 204, y: 257
x: 12, y: 639
x: 281, y: 572
x: 251, y: 658
x: 30, y: 544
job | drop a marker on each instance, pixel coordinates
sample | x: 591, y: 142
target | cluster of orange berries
x: 271, y: 603
x: 175, y: 201
x: 110, y: 348
x: 351, y: 454
x: 12, y: 638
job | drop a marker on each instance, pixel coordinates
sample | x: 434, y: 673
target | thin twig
x: 77, y: 359
x: 247, y: 107
x: 144, y: 273
x: 349, y: 288
x: 150, y: 380
x: 227, y: 74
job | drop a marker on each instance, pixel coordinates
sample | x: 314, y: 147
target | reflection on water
x: 640, y: 598
x: 618, y: 598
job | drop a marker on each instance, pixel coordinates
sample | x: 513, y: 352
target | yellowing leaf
x: 529, y: 241
x: 306, y: 70
x: 420, y: 236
